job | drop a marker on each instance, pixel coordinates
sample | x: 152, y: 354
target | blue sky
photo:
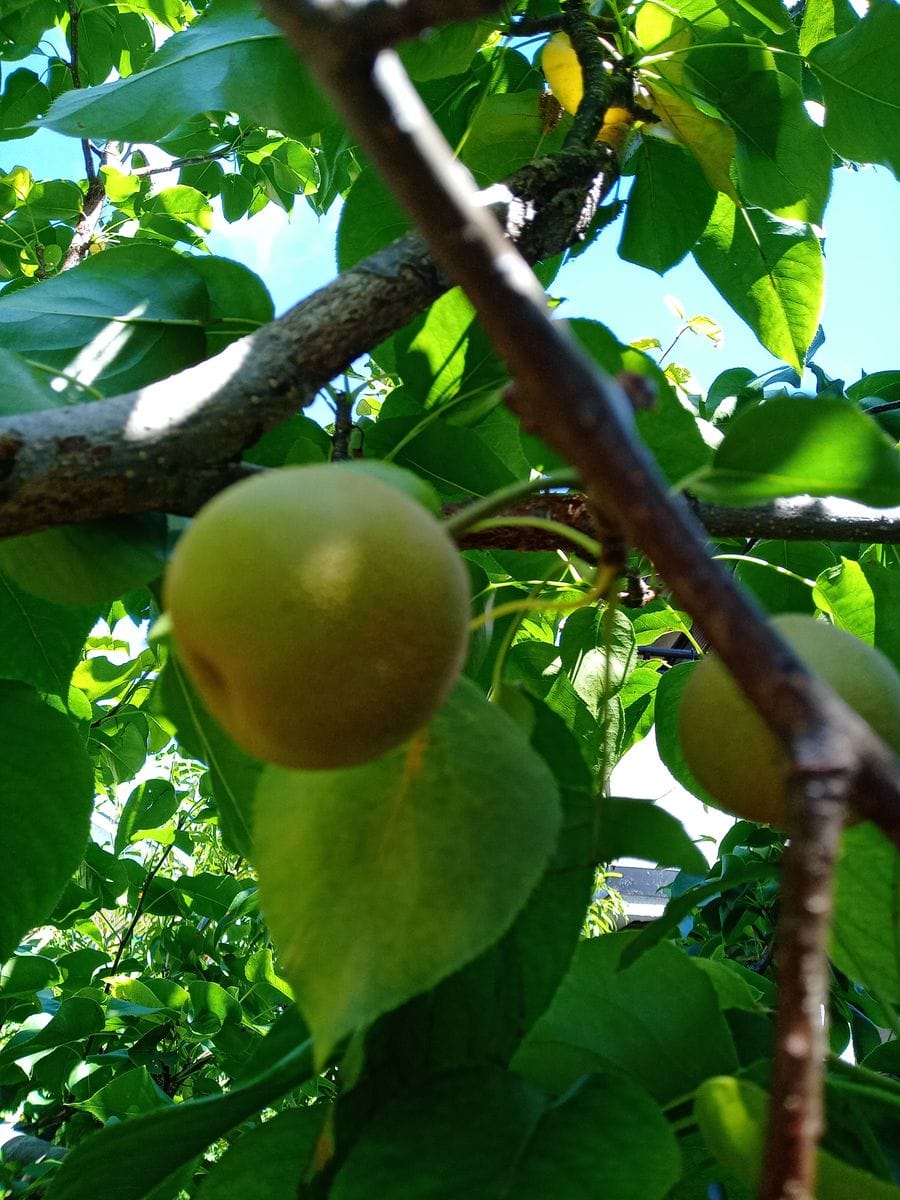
x: 294, y: 255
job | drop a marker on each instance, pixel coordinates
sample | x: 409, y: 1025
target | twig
x: 77, y: 250
x: 801, y: 518
x: 128, y: 933
x: 596, y: 81
x: 343, y: 426
x: 192, y: 160
x: 75, y: 72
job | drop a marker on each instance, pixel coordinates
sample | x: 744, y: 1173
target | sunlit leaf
x: 802, y: 445
x: 861, y: 86
x: 217, y: 64
x: 360, y: 870
x: 770, y: 273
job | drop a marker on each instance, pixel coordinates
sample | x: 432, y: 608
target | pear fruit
x: 731, y: 751
x: 321, y: 613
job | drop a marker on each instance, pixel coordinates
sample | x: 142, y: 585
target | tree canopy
x: 412, y: 976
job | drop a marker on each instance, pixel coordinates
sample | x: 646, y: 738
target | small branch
x: 128, y: 934
x: 803, y: 518
x: 80, y: 244
x: 343, y: 427
x: 192, y: 160
x: 75, y: 72
x: 596, y: 83
x: 816, y: 815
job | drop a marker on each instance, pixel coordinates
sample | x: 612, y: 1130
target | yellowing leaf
x: 711, y: 142
x: 563, y: 71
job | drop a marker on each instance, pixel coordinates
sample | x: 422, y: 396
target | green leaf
x: 40, y: 642
x: 777, y: 590
x: 236, y: 193
x: 370, y: 220
x: 149, y: 806
x: 844, y: 591
x: 668, y: 429
x: 458, y: 461
x: 861, y: 87
x: 24, y: 98
x: 90, y: 563
x: 127, y: 1095
x: 182, y: 204
x: 46, y: 794
x: 216, y: 64
x: 824, y: 20
x: 233, y: 773
x: 239, y: 301
x: 732, y: 1115
x: 479, y: 1014
x: 884, y: 587
x: 443, y: 353
x: 77, y: 1018
x: 594, y: 721
x: 24, y: 973
x: 490, y: 1135
x: 639, y: 829
x: 658, y: 1020
x: 769, y: 271
x: 782, y: 160
x: 447, y: 51
x: 212, y: 1007
x: 504, y: 132
x: 23, y: 388
x: 118, y: 321
x: 598, y: 650
x: 669, y: 205
x: 440, y: 844
x: 866, y: 929
x: 736, y: 985
x: 801, y: 445
x: 128, y: 1160
x: 270, y: 1161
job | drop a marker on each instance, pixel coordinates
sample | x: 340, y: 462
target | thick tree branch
x: 375, y: 24
x: 586, y: 417
x: 173, y: 444
x: 799, y: 518
x: 803, y: 518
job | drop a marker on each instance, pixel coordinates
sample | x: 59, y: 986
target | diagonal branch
x: 585, y: 416
x: 173, y: 444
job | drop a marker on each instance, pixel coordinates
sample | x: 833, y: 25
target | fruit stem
x: 598, y: 591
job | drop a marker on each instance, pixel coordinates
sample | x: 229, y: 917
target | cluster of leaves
x: 471, y: 1035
